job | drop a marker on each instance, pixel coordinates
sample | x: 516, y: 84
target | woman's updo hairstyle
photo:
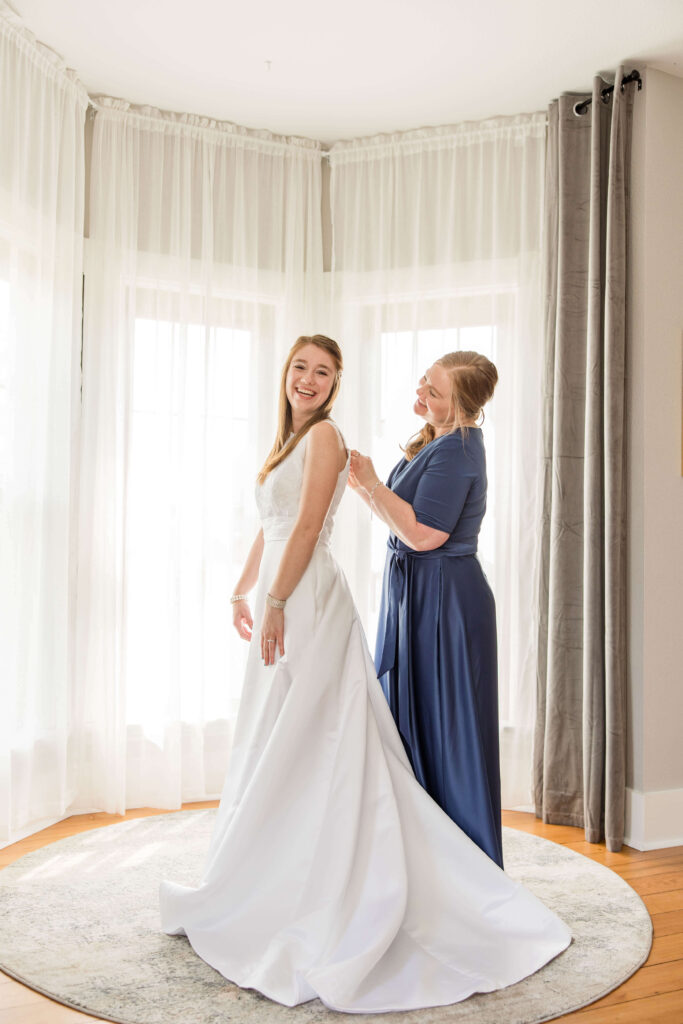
x: 473, y: 381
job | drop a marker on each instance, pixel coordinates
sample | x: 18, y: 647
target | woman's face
x: 434, y: 403
x: 309, y: 381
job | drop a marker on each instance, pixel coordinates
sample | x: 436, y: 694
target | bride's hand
x: 272, y: 634
x: 242, y: 620
x: 363, y: 471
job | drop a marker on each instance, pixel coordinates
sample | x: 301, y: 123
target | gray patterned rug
x: 79, y: 922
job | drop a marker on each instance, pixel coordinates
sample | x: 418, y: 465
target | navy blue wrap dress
x: 436, y: 654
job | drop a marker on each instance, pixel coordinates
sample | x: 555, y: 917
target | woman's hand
x: 272, y: 634
x: 352, y: 481
x: 242, y: 620
x: 363, y: 471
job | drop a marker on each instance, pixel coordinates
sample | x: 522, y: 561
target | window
x: 5, y: 426
x: 189, y: 517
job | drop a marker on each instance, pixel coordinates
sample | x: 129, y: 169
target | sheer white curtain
x: 437, y: 246
x: 42, y: 113
x: 124, y: 523
x: 202, y: 266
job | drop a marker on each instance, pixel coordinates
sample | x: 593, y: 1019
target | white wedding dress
x: 331, y: 873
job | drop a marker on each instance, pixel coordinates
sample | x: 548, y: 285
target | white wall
x: 655, y: 547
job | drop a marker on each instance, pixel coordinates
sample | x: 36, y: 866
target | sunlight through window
x: 188, y: 487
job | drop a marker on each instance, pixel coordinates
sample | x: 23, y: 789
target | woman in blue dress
x: 436, y: 642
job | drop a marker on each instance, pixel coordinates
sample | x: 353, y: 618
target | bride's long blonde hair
x: 473, y: 379
x: 281, y: 446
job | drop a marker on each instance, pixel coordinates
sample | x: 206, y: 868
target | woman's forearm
x: 295, y: 558
x: 251, y: 567
x: 362, y: 493
x: 396, y: 513
x: 400, y: 517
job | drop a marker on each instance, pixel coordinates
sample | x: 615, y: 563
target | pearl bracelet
x: 374, y: 488
x: 238, y: 597
x: 275, y: 602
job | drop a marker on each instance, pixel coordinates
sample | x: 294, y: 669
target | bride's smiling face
x: 309, y: 380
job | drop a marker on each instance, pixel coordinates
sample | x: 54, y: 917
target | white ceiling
x: 353, y: 68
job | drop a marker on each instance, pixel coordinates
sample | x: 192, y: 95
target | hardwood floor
x: 653, y: 995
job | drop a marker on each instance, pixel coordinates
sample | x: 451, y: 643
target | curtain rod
x: 582, y: 106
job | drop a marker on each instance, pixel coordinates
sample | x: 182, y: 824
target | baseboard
x: 654, y: 820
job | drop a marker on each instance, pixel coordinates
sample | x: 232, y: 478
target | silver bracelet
x: 238, y: 597
x: 275, y: 602
x: 374, y: 488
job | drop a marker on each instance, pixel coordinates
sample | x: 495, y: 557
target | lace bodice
x: 277, y: 499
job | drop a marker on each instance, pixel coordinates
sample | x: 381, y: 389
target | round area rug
x: 79, y: 921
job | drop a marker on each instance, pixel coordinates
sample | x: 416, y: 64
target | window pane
x: 190, y: 481
x: 5, y: 425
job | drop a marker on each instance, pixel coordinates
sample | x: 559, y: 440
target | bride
x: 331, y: 873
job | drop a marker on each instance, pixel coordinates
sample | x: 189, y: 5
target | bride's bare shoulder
x: 327, y: 439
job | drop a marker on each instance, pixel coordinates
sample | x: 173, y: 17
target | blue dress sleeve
x: 443, y: 487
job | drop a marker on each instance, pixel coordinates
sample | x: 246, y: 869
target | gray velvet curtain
x: 580, y: 741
